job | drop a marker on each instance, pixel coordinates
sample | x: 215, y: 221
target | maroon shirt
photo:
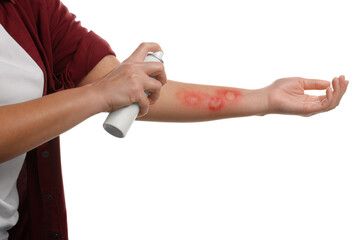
x: 66, y: 52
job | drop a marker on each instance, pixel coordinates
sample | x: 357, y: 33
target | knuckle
x: 143, y: 44
x: 133, y: 77
x: 156, y: 44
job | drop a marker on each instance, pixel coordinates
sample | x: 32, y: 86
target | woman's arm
x: 111, y: 85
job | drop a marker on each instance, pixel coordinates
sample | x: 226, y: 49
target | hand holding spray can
x: 118, y: 122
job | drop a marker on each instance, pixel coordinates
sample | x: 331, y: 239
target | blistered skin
x: 212, y: 102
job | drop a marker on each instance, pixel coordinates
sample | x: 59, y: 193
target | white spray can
x: 118, y: 122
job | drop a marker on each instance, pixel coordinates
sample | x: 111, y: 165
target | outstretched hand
x: 287, y: 95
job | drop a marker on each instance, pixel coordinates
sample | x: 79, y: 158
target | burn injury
x: 215, y: 101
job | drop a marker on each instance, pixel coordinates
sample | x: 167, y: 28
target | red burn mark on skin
x: 190, y: 98
x: 212, y: 102
x: 215, y: 103
x: 228, y: 94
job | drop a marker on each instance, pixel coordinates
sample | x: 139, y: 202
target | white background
x: 273, y: 177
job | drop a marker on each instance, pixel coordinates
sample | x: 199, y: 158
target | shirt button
x: 48, y: 197
x: 56, y: 236
x: 45, y: 154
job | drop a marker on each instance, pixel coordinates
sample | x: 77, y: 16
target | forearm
x: 27, y: 125
x: 184, y: 102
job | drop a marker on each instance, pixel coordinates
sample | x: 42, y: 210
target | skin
x: 112, y: 85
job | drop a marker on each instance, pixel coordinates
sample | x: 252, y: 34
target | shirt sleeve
x: 75, y: 49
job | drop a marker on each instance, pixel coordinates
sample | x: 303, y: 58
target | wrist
x: 95, y: 100
x: 258, y: 101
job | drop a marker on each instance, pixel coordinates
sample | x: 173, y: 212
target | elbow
x: 4, y: 156
x: 3, y: 159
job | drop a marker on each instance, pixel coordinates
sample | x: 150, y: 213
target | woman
x: 55, y: 74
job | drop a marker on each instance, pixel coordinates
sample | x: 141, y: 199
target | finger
x: 141, y: 52
x: 144, y: 105
x: 326, y: 103
x: 315, y: 84
x: 337, y: 92
x: 347, y: 84
x: 151, y: 84
x: 155, y: 69
x: 153, y: 87
x: 161, y: 77
x: 153, y: 97
x: 342, y: 82
x: 343, y: 87
x: 336, y: 85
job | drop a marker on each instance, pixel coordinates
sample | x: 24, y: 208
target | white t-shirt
x: 21, y: 79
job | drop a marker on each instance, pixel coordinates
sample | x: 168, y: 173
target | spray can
x: 118, y: 122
